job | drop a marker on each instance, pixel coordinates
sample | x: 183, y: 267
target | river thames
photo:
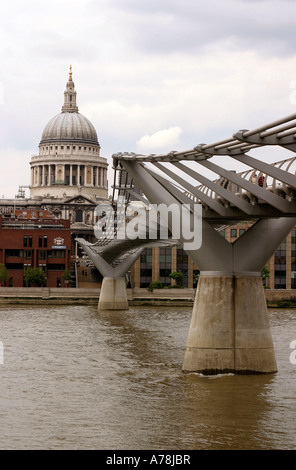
x: 73, y: 378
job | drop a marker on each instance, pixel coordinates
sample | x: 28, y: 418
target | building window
x: 79, y: 215
x: 40, y: 241
x: 30, y: 241
x: 13, y: 253
x: 233, y: 233
x: 25, y: 241
x: 14, y: 266
x: 165, y: 260
x: 45, y: 242
x: 56, y: 253
x: 146, y: 267
x: 241, y: 231
x: 56, y: 267
x: 27, y: 254
x: 182, y: 265
x: 42, y: 254
x: 280, y: 267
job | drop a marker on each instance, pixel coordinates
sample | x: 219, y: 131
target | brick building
x: 35, y: 239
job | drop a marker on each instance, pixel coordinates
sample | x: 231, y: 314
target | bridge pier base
x: 229, y: 331
x: 113, y: 295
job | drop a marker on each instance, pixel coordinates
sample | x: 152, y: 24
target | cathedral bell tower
x: 70, y: 96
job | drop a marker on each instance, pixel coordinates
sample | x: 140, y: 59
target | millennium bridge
x: 229, y: 330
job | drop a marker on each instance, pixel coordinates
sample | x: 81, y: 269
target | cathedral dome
x: 69, y: 162
x: 71, y: 126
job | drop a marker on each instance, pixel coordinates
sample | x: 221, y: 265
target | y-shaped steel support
x: 229, y: 330
x: 113, y: 294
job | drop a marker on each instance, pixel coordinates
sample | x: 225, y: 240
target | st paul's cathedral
x: 68, y: 176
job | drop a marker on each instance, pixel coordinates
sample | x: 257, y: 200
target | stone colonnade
x: 68, y: 174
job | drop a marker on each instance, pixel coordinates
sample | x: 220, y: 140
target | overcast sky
x: 151, y: 75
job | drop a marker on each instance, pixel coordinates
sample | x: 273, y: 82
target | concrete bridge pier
x: 229, y: 330
x: 113, y: 293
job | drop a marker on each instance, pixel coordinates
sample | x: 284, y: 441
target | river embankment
x: 137, y: 296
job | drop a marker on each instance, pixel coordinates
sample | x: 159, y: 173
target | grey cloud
x: 170, y: 26
x: 50, y: 44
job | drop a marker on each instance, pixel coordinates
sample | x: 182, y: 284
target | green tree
x: 178, y: 277
x: 66, y: 276
x: 34, y: 277
x: 155, y: 285
x: 4, y: 275
x: 265, y: 273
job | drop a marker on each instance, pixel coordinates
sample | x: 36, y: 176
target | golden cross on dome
x: 70, y: 74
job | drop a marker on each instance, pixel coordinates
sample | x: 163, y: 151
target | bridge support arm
x: 215, y: 253
x: 256, y: 246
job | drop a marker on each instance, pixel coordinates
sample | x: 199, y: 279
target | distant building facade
x: 35, y: 239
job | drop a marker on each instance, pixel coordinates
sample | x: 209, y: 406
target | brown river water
x: 73, y: 378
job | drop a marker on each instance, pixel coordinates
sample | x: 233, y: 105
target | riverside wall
x: 136, y: 296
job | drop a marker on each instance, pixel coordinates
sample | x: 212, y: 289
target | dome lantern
x: 70, y: 96
x: 69, y: 125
